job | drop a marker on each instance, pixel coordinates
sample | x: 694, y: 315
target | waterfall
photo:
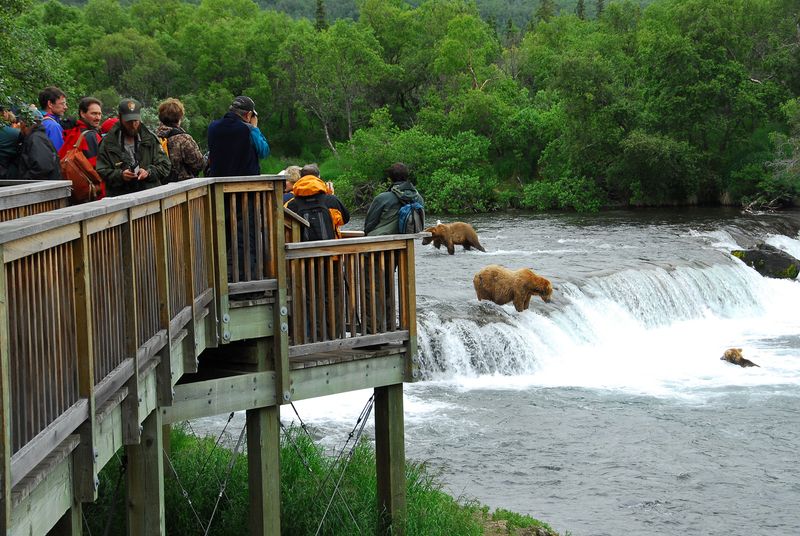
x: 632, y: 312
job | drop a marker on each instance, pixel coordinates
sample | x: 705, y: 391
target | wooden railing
x: 91, y: 294
x: 349, y: 293
x: 92, y: 297
x: 23, y: 198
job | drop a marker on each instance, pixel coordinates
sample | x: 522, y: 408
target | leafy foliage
x: 649, y: 103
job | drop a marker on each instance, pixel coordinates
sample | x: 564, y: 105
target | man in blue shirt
x: 53, y: 104
x: 235, y: 144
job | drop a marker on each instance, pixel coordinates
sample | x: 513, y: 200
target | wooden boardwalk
x: 192, y: 299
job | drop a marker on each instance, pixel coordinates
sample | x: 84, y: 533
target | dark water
x: 608, y: 411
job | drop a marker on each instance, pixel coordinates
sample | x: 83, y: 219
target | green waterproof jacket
x: 383, y: 213
x: 112, y: 159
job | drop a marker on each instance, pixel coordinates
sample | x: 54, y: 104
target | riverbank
x: 206, y: 484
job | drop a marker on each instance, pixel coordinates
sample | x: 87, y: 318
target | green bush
x: 577, y: 193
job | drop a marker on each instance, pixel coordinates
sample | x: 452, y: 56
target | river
x: 608, y: 411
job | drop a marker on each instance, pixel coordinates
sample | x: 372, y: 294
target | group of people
x: 307, y: 195
x: 129, y: 157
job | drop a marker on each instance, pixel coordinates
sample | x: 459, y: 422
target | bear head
x: 538, y: 285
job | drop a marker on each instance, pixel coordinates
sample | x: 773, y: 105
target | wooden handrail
x: 20, y: 198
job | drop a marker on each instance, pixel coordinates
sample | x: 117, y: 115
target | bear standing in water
x: 452, y: 234
x: 501, y: 285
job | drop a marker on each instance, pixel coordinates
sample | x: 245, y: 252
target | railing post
x: 410, y: 292
x: 85, y: 461
x: 280, y: 308
x: 190, y: 356
x: 130, y: 406
x: 221, y: 264
x: 5, y: 409
x: 164, y: 369
x: 212, y: 320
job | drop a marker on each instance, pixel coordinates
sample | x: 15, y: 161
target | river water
x: 608, y: 410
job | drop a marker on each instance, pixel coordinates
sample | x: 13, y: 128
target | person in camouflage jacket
x: 184, y: 153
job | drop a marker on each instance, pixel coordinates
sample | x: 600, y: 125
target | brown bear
x: 501, y: 285
x: 452, y: 234
x: 734, y: 355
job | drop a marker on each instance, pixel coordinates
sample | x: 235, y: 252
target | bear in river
x: 501, y: 285
x: 452, y: 234
x: 734, y: 355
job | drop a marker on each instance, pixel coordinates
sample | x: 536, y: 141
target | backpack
x: 164, y: 141
x: 76, y: 168
x: 317, y: 215
x: 411, y: 218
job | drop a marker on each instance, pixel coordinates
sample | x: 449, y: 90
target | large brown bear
x: 734, y: 355
x: 452, y: 234
x: 501, y: 285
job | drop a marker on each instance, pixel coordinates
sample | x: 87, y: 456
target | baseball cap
x: 130, y: 110
x: 245, y: 104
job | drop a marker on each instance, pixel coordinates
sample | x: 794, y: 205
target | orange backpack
x: 76, y: 168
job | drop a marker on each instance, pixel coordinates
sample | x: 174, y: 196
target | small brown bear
x: 501, y: 285
x: 734, y: 355
x: 452, y: 234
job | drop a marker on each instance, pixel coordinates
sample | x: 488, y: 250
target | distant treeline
x: 678, y: 102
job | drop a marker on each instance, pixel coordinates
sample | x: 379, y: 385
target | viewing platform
x: 192, y: 299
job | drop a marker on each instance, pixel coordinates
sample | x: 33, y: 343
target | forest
x: 562, y: 105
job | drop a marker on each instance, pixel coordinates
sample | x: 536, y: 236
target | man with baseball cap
x: 235, y: 144
x: 130, y: 157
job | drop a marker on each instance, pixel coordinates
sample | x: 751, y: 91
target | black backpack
x: 317, y: 215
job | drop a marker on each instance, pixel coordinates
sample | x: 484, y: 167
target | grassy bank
x: 308, y: 480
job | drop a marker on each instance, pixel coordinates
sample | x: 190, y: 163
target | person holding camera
x: 130, y: 157
x: 235, y: 143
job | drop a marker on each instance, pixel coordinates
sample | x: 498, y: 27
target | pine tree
x: 580, y: 10
x: 321, y: 22
x: 545, y: 11
x: 600, y: 8
x: 511, y: 32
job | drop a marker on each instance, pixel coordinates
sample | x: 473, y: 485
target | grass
x: 308, y: 480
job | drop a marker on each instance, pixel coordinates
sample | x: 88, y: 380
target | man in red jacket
x: 90, y: 113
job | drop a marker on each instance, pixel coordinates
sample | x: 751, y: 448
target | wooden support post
x: 164, y: 370
x: 130, y: 406
x: 85, y: 479
x: 263, y: 469
x: 71, y: 523
x: 145, y: 480
x: 280, y: 308
x: 390, y: 459
x: 5, y: 409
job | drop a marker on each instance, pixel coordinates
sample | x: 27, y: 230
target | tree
x: 468, y: 49
x: 545, y: 11
x: 580, y: 10
x: 600, y: 8
x: 320, y: 18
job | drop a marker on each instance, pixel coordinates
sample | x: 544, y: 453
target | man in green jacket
x: 130, y: 157
x: 383, y: 213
